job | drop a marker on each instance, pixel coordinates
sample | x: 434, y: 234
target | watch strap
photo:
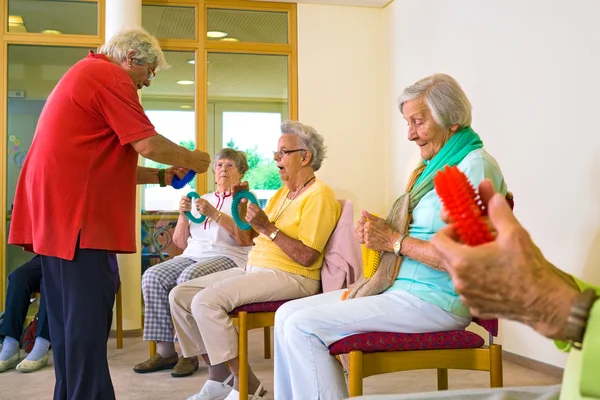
x: 578, y: 317
x: 161, y: 177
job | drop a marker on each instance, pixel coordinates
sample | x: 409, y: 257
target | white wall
x: 530, y: 69
x: 341, y: 93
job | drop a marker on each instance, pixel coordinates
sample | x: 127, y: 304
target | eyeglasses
x: 283, y: 152
x: 151, y: 72
x: 228, y: 165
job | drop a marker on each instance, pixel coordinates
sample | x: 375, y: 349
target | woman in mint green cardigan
x: 410, y: 291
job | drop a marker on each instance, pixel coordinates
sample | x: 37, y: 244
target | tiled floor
x: 161, y: 386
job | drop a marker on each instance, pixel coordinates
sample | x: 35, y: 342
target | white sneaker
x: 235, y: 395
x: 213, y: 390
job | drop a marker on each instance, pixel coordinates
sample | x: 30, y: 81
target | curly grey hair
x: 312, y: 140
x: 445, y: 98
x: 144, y: 45
x: 238, y: 157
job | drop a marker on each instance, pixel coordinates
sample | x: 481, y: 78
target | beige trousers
x: 200, y: 307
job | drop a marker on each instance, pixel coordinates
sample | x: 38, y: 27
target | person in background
x: 211, y: 246
x: 23, y: 282
x: 75, y: 199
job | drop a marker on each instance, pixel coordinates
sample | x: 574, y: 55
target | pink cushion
x: 267, y: 306
x: 385, y: 341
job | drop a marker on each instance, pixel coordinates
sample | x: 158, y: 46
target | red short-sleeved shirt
x: 80, y: 173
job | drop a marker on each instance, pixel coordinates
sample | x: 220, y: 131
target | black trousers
x: 80, y: 295
x: 24, y: 281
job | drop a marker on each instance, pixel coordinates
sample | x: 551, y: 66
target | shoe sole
x: 26, y: 371
x: 183, y: 374
x: 161, y: 368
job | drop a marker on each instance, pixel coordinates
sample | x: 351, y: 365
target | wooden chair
x: 382, y: 352
x: 253, y: 316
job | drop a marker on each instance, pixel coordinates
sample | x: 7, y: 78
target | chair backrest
x: 491, y: 325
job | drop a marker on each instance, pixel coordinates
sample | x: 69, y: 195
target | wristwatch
x: 398, y: 245
x: 578, y: 317
x: 273, y: 234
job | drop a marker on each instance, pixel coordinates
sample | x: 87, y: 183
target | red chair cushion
x: 267, y: 306
x: 385, y: 341
x: 490, y: 325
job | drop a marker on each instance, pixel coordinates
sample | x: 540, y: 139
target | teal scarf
x: 460, y: 144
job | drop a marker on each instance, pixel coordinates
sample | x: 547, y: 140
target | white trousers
x: 305, y: 328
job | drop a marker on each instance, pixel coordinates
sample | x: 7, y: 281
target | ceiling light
x: 216, y: 34
x: 230, y: 39
x: 192, y: 61
x: 51, y: 32
x: 185, y: 82
x: 15, y: 20
x: 185, y: 106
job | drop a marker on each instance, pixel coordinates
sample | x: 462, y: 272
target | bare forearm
x: 549, y: 311
x: 147, y: 176
x: 295, y: 249
x: 568, y: 279
x: 182, y: 232
x: 160, y: 149
x: 421, y: 251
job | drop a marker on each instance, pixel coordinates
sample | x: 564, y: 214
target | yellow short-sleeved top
x: 310, y: 218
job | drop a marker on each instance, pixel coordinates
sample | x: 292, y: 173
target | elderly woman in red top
x: 75, y: 199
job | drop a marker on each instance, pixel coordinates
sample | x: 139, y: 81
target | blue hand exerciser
x: 179, y: 183
x: 244, y: 194
x: 194, y: 195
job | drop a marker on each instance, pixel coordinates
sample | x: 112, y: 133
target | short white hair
x: 144, y: 45
x: 311, y: 139
x: 445, y: 98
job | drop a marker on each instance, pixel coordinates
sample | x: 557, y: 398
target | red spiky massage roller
x: 462, y: 202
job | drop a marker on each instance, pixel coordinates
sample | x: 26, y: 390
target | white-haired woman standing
x: 285, y: 263
x: 420, y: 297
x: 75, y: 199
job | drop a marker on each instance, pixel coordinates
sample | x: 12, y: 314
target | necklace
x: 280, y: 211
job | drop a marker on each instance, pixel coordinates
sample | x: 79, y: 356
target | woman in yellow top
x: 285, y: 263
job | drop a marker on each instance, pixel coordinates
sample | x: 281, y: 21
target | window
x: 53, y: 17
x: 169, y: 103
x: 247, y: 101
x: 252, y: 132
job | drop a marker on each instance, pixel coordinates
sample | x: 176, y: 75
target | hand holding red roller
x: 464, y: 207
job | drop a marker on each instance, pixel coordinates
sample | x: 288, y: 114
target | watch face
x: 397, y: 247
